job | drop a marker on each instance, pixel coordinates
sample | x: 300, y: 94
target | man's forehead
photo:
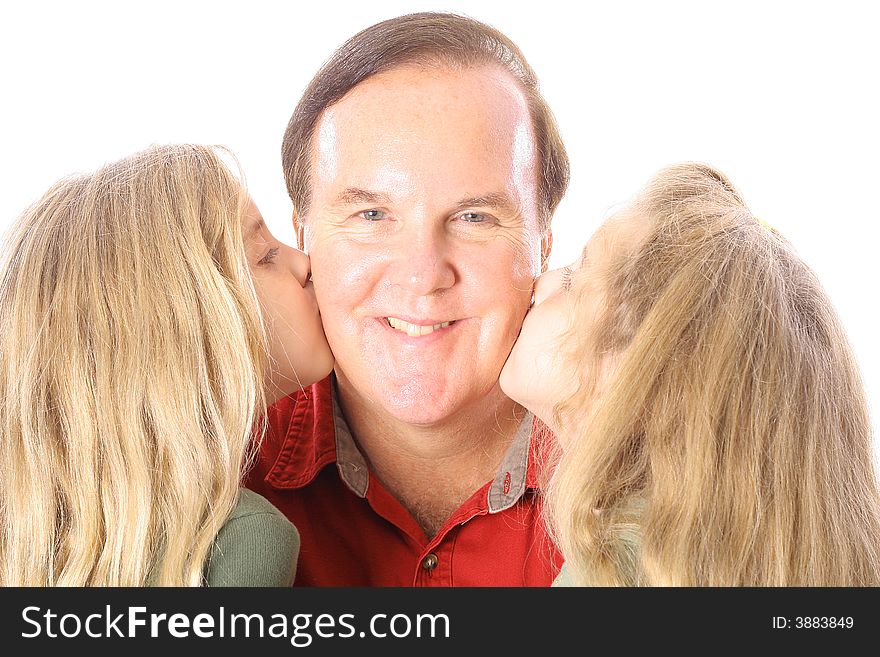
x: 407, y: 77
x: 450, y: 127
x: 411, y: 97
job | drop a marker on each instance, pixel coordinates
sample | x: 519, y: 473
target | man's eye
x: 372, y: 215
x: 473, y: 217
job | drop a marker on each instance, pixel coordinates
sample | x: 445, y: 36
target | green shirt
x: 257, y: 546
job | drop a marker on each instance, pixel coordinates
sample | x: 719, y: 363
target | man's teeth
x: 415, y: 330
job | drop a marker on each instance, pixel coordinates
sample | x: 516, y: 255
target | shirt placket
x: 434, y: 567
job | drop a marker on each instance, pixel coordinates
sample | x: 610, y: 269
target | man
x: 424, y: 167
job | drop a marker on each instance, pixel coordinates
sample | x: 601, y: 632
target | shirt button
x: 430, y: 562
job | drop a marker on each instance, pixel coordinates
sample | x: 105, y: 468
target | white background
x: 781, y: 96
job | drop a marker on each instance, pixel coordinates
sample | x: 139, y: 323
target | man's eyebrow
x: 495, y: 200
x: 358, y: 196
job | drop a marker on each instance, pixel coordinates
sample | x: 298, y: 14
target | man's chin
x: 421, y: 405
x: 414, y: 403
x: 423, y: 399
x: 426, y: 408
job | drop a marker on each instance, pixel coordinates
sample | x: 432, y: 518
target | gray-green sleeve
x: 563, y: 578
x: 257, y: 546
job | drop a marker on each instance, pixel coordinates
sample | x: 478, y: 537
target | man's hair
x: 421, y: 39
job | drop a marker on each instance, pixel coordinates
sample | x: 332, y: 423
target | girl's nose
x: 299, y: 265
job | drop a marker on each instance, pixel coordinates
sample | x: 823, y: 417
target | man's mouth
x: 416, y: 330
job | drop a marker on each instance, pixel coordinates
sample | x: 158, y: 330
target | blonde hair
x: 131, y: 361
x: 731, y: 444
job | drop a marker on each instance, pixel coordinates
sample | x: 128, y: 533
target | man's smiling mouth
x: 415, y: 330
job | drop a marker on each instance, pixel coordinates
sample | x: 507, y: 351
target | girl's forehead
x: 623, y: 232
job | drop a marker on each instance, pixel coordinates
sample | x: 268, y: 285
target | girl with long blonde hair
x: 711, y: 421
x: 148, y: 316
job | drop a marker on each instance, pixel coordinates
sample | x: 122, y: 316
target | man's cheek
x: 347, y: 270
x: 522, y: 248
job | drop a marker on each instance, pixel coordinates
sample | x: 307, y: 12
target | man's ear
x: 299, y: 228
x: 546, y: 247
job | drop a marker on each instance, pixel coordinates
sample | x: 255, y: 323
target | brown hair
x: 419, y: 39
x: 731, y: 444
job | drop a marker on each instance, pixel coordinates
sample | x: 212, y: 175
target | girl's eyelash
x: 566, y: 278
x: 270, y: 256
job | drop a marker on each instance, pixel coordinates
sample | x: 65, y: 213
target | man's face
x: 424, y: 237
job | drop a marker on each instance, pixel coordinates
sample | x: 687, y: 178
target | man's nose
x: 423, y: 264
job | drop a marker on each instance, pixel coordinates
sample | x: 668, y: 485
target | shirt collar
x: 351, y: 463
x: 297, y: 467
x: 519, y: 467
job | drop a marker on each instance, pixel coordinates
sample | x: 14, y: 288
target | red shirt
x: 355, y: 533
